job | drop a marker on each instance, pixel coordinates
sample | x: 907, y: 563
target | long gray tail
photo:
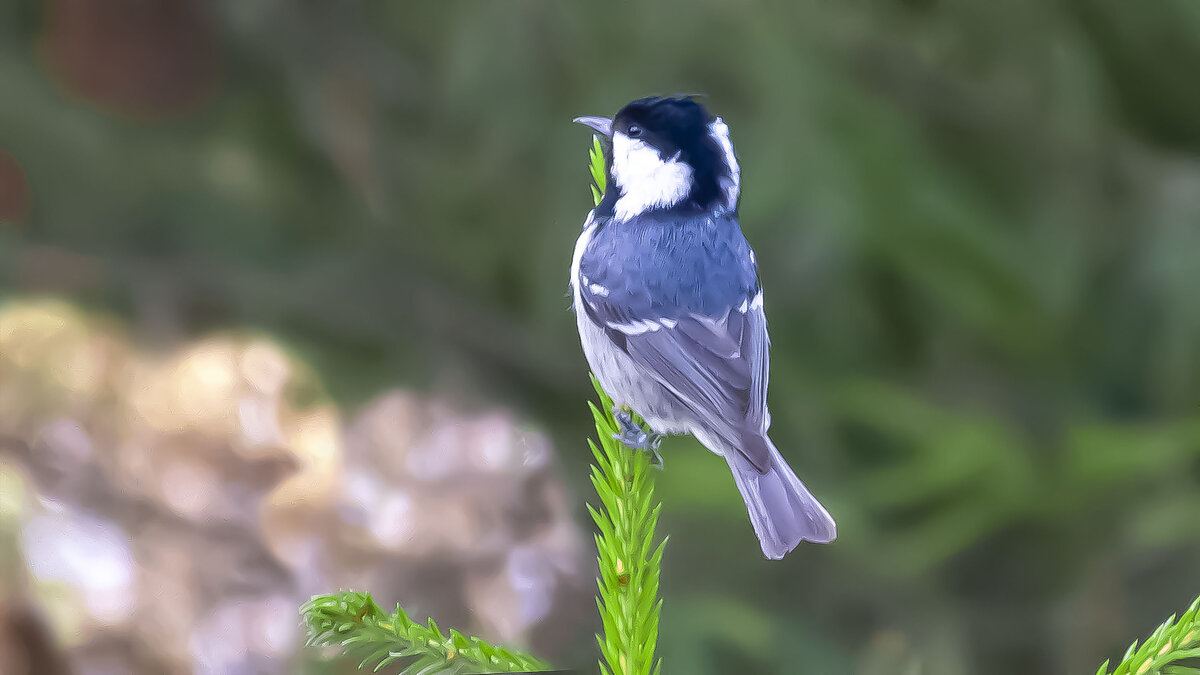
x: 783, y: 511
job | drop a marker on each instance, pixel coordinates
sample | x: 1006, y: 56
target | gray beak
x: 600, y: 125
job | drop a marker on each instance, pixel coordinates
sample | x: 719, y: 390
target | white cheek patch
x: 732, y: 185
x: 646, y: 180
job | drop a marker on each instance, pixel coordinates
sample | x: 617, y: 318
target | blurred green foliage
x: 977, y: 225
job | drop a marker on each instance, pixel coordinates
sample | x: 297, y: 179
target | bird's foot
x: 636, y: 438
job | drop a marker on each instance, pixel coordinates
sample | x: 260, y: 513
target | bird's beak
x: 600, y: 125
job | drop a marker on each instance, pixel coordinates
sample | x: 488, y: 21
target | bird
x: 669, y: 307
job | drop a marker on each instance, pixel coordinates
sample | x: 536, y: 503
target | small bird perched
x: 670, y: 310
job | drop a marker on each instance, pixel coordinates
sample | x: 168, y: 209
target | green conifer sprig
x: 630, y: 563
x: 1161, y: 653
x: 352, y: 621
x: 596, y: 166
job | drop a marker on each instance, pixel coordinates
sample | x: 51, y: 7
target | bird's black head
x: 667, y: 153
x: 670, y: 125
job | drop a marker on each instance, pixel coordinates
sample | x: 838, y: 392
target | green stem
x: 630, y: 563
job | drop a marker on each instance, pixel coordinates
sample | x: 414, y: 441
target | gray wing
x: 716, y: 365
x: 681, y: 297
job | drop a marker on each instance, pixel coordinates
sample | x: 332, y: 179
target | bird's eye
x: 634, y: 131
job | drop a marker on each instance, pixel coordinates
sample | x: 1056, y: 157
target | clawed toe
x: 656, y: 458
x: 634, y: 437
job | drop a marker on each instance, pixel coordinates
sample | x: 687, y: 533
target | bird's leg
x: 634, y: 437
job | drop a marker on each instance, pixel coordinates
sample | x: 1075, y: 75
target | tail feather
x: 782, y: 510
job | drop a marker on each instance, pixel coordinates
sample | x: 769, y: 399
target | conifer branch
x: 1172, y: 642
x: 630, y: 563
x: 596, y: 166
x: 352, y: 621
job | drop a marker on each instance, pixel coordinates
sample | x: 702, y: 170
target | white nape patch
x: 599, y: 290
x: 720, y: 133
x: 646, y: 181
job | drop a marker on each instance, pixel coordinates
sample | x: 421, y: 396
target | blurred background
x: 284, y: 311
